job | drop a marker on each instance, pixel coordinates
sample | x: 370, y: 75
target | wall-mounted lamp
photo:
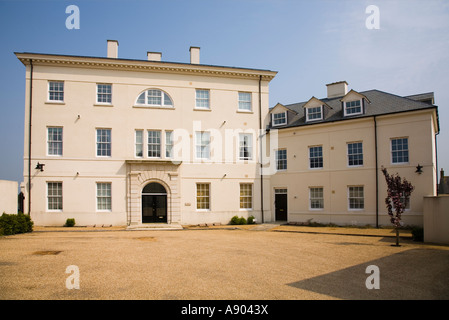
x: 40, y: 166
x: 419, y: 169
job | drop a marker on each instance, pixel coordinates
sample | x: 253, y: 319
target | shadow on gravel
x: 413, y: 274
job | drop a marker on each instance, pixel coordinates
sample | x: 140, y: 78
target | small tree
x: 398, y: 195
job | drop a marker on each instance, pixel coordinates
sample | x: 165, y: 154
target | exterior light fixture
x: 40, y: 166
x: 419, y: 169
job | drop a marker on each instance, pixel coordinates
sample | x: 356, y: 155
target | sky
x: 310, y: 43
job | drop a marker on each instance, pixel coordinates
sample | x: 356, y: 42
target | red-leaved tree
x: 398, y: 195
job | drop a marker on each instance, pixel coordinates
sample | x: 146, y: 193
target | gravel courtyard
x: 218, y: 265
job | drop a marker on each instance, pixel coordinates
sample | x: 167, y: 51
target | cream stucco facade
x: 80, y: 176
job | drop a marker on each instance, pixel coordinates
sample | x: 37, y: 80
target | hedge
x: 15, y: 223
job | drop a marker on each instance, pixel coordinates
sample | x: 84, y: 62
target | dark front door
x: 154, y: 203
x: 280, y: 205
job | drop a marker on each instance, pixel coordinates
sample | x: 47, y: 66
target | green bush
x: 15, y: 223
x: 70, y: 222
x: 237, y: 220
x: 418, y: 234
x: 251, y: 220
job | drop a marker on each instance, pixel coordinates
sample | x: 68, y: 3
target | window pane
x: 104, y: 93
x: 54, y: 195
x: 202, y: 196
x: 356, y: 198
x: 281, y: 159
x: 245, y: 146
x: 54, y: 140
x: 279, y: 118
x: 353, y: 107
x: 355, y: 154
x: 316, y: 157
x: 169, y: 144
x: 139, y: 143
x: 246, y: 196
x: 56, y: 91
x: 154, y: 143
x: 202, y: 99
x: 399, y: 150
x: 245, y: 101
x: 203, y: 145
x: 104, y: 196
x: 104, y: 142
x: 314, y: 113
x: 316, y: 198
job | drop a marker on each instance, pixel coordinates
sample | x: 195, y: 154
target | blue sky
x: 310, y: 43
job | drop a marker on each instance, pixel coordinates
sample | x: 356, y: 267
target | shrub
x: 70, y: 222
x: 237, y: 220
x: 15, y: 223
x: 418, y: 234
x: 251, y: 220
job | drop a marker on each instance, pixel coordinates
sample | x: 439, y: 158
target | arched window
x: 154, y: 98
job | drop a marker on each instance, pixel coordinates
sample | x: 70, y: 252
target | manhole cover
x: 47, y: 252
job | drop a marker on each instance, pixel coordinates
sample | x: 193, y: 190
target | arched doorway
x: 154, y: 203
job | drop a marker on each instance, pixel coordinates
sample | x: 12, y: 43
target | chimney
x: 113, y: 49
x: 195, y: 55
x: 154, y: 56
x: 442, y: 174
x: 337, y: 89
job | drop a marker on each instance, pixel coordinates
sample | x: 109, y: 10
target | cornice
x: 143, y: 66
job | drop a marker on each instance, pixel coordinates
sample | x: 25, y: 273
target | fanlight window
x: 154, y: 97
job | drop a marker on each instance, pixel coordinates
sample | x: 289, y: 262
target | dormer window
x: 279, y: 118
x: 314, y: 113
x: 353, y: 107
x: 154, y: 98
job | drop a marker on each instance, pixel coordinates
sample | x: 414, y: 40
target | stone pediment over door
x: 142, y: 172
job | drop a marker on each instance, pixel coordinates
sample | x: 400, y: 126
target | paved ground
x: 220, y: 263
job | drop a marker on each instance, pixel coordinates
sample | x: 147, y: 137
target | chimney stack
x: 154, y: 56
x: 113, y: 49
x: 337, y: 89
x: 195, y: 55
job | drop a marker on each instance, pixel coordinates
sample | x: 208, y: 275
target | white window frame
x: 199, y: 144
x: 97, y: 143
x: 102, y: 196
x: 354, y: 113
x: 208, y: 197
x: 202, y: 99
x: 316, y: 198
x: 347, y: 154
x: 349, y: 198
x: 106, y: 94
x: 141, y: 143
x: 165, y: 97
x: 277, y: 159
x: 58, y: 92
x: 59, y: 142
x: 169, y: 144
x: 57, y: 196
x: 273, y: 120
x: 157, y: 144
x: 322, y: 158
x: 314, y: 119
x: 408, y: 151
x: 244, y: 102
x: 246, y: 197
x: 242, y: 147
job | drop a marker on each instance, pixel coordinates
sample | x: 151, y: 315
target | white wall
x: 8, y: 196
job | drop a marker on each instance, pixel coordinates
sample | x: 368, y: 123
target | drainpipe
x: 377, y: 173
x: 436, y: 163
x: 260, y: 140
x: 29, y: 138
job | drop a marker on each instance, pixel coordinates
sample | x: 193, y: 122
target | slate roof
x: 382, y: 103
